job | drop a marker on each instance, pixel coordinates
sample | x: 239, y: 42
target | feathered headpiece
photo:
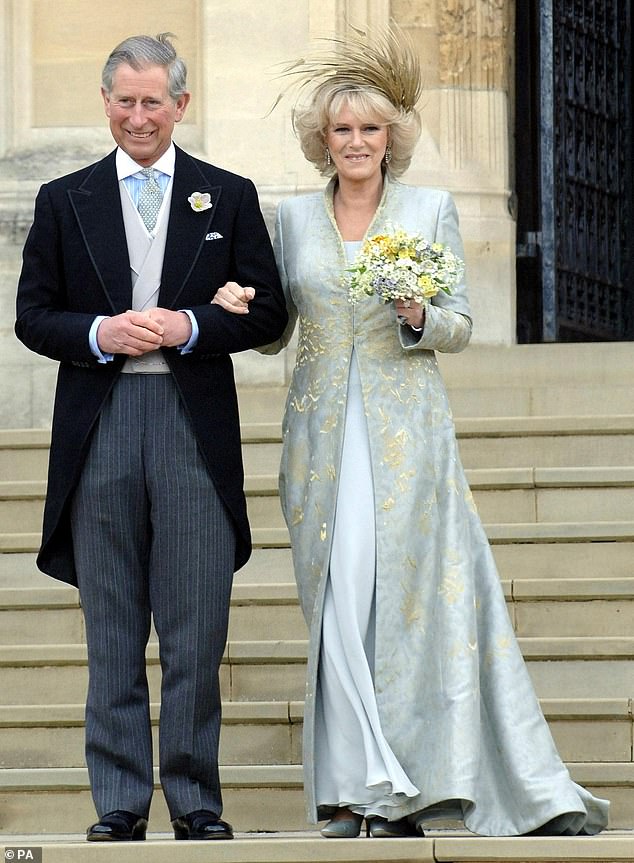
x: 385, y: 62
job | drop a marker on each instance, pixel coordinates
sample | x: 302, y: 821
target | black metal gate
x: 574, y: 154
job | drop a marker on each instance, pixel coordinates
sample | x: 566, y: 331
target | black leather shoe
x: 381, y: 828
x: 118, y: 826
x: 201, y: 824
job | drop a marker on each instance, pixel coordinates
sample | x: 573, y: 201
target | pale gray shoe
x: 343, y: 828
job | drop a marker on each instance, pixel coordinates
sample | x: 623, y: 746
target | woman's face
x: 357, y: 147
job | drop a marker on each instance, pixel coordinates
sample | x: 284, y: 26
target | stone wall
x: 51, y: 122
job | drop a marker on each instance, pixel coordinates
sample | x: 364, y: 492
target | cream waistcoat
x: 146, y: 253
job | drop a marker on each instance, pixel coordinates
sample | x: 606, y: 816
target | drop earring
x: 327, y: 154
x: 388, y: 154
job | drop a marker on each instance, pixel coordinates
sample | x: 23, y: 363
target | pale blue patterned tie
x: 150, y: 199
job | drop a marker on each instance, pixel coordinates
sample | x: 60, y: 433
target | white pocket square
x: 214, y: 236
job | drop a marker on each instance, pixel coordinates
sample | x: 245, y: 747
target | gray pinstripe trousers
x: 151, y: 538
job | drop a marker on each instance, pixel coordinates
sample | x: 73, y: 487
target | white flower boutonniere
x: 200, y: 201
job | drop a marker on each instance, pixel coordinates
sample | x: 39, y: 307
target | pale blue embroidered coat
x: 456, y: 703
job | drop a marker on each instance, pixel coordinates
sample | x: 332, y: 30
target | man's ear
x: 181, y: 104
x: 106, y: 101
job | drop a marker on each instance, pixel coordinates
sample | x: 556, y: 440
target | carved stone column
x: 465, y: 55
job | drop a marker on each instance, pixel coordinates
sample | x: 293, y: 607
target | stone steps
x: 24, y: 454
x: 570, y: 441
x: 519, y: 498
x: 501, y: 495
x: 569, y: 558
x: 497, y: 442
x: 265, y: 732
x: 270, y: 611
x: 257, y: 797
x: 485, y: 442
x: 515, y: 494
x: 518, y: 380
x: 269, y: 732
x: 561, y: 667
x: 554, y: 483
x: 44, y: 800
x: 266, y: 566
x: 52, y: 615
x: 439, y: 846
x: 498, y: 534
x: 540, y: 380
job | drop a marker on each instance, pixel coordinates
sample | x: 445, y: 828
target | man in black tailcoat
x: 145, y: 509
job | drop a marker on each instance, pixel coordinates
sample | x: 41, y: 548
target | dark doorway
x: 574, y: 151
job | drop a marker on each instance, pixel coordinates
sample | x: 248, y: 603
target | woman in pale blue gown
x: 418, y: 702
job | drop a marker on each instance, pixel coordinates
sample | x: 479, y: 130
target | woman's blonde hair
x: 311, y: 123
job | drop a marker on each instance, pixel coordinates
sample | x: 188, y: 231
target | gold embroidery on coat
x: 310, y: 341
x: 404, y: 479
x: 468, y: 496
x: 307, y: 401
x: 452, y: 586
x: 500, y: 650
x: 413, y: 611
x: 329, y: 424
x: 395, y: 449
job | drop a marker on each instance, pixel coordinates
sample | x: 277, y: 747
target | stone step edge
x: 605, y: 774
x: 549, y: 426
x: 504, y: 426
x: 233, y: 713
x: 309, y: 847
x: 582, y: 425
x: 294, y: 651
x: 560, y: 532
x: 76, y: 778
x: 490, y: 427
x: 292, y: 712
x: 498, y: 534
x: 480, y: 479
x: 518, y: 590
x: 605, y: 848
x: 279, y: 594
x: 25, y: 438
x: 60, y: 596
x: 19, y: 568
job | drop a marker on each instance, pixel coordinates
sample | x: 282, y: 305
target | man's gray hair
x: 139, y: 52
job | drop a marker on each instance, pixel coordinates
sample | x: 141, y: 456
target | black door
x: 574, y: 117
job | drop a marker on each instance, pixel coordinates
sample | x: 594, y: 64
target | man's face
x: 141, y: 112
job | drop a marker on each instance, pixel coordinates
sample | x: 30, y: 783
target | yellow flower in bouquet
x: 402, y: 266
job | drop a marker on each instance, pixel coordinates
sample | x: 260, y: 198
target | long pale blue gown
x: 354, y: 763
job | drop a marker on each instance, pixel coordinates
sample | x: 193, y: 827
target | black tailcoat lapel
x: 97, y: 206
x: 187, y: 228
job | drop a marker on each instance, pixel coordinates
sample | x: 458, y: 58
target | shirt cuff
x: 189, y: 346
x: 92, y: 341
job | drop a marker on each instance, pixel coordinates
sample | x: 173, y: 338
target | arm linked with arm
x: 253, y: 265
x: 278, y: 248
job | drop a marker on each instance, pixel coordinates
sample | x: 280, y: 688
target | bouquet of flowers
x: 402, y: 266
